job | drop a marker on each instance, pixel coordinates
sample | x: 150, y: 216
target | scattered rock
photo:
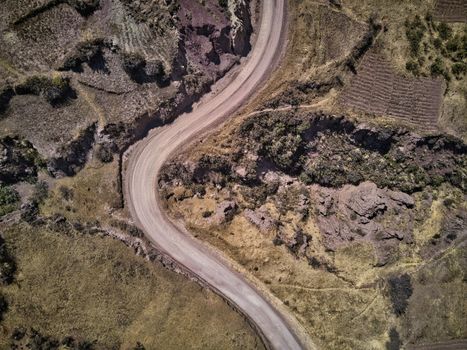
x: 261, y: 219
x: 225, y: 212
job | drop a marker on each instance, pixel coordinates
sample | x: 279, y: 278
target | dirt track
x: 278, y: 330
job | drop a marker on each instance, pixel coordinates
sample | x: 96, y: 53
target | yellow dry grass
x: 97, y: 289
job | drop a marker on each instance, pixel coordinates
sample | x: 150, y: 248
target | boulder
x: 225, y: 212
x: 261, y: 219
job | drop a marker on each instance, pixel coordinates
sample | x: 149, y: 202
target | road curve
x: 150, y: 154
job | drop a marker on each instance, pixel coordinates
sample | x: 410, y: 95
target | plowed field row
x: 378, y: 89
x: 451, y: 10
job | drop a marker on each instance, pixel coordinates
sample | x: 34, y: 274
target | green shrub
x: 7, y: 265
x: 3, y: 306
x: 9, y: 199
x: 84, y: 7
x: 415, y: 31
x: 444, y: 30
x: 438, y: 43
x: 132, y: 62
x: 459, y: 68
x: 400, y: 290
x: 413, y: 67
x: 54, y: 90
x: 437, y: 67
x: 223, y: 3
x: 454, y: 44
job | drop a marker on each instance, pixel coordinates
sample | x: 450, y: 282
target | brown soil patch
x: 376, y: 88
x: 451, y: 10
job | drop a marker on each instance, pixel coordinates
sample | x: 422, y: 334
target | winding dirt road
x: 279, y: 331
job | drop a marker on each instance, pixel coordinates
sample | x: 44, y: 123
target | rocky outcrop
x: 214, y: 38
x: 261, y: 219
x: 225, y: 212
x: 364, y: 213
x: 241, y: 26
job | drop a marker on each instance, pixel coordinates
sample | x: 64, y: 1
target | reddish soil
x: 451, y: 10
x: 378, y: 89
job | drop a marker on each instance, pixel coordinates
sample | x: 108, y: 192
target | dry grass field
x: 96, y: 289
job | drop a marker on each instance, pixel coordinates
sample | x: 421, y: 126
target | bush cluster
x: 278, y: 138
x: 9, y: 199
x: 400, y: 290
x: 86, y: 51
x: 38, y: 341
x: 415, y: 30
x: 55, y: 90
x: 142, y: 71
x: 346, y: 155
x: 20, y: 161
x: 7, y: 264
x: 444, y: 53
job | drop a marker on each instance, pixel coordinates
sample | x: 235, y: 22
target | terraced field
x: 378, y: 89
x: 451, y: 10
